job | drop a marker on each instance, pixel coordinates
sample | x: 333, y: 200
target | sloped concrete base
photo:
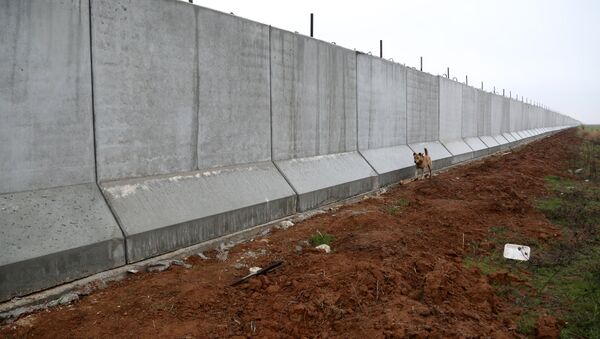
x: 165, y: 213
x: 392, y: 164
x: 478, y: 147
x: 52, y: 236
x: 459, y: 149
x: 328, y: 178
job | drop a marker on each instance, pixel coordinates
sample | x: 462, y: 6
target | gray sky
x: 547, y: 51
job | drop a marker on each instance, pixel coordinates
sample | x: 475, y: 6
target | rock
x: 158, y: 266
x: 239, y: 265
x: 578, y: 171
x: 181, y: 263
x: 284, y: 225
x: 254, y: 269
x: 273, y: 289
x: 250, y: 254
x: 64, y: 300
x: 202, y: 256
x: 324, y: 247
x: 298, y: 249
x: 132, y: 271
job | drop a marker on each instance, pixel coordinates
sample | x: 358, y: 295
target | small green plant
x: 321, y: 239
x: 526, y: 323
x: 394, y: 208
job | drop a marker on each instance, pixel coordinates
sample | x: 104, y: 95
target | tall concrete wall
x: 54, y: 224
x: 46, y: 137
x: 381, y: 100
x: 381, y: 111
x: 451, y: 96
x: 197, y: 124
x: 422, y: 95
x: 313, y: 97
x: 179, y: 89
x: 145, y: 66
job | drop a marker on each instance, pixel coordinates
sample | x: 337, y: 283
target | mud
x: 395, y: 269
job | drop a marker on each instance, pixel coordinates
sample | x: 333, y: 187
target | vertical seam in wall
x: 96, y: 182
x: 196, y: 117
x: 271, y: 124
x: 376, y: 184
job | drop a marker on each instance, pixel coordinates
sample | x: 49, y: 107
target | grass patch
x: 397, y: 206
x: 321, y: 239
x: 563, y: 276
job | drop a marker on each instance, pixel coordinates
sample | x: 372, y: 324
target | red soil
x: 393, y: 272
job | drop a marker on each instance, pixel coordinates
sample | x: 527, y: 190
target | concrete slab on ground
x: 517, y: 136
x: 163, y: 213
x: 478, y: 147
x: 55, y: 235
x: 509, y: 137
x: 459, y: 150
x: 440, y: 156
x: 327, y: 178
x: 392, y: 164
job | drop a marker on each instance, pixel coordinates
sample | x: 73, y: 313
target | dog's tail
x: 426, y: 153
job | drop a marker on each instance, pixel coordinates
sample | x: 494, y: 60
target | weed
x: 394, y: 208
x: 321, y: 239
x: 526, y: 323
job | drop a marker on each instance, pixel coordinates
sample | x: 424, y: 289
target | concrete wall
x: 470, y: 116
x: 233, y: 90
x: 197, y: 124
x: 451, y: 99
x: 381, y: 103
x: 313, y: 97
x: 46, y: 137
x: 422, y: 95
x: 145, y: 89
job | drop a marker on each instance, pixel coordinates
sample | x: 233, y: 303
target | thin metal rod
x: 381, y: 48
x: 421, y: 64
x: 311, y: 24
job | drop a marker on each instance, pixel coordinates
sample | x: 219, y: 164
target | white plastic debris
x: 132, y: 271
x: 324, y: 247
x: 254, y: 269
x: 517, y: 252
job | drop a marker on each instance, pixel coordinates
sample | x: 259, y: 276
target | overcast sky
x: 547, y: 51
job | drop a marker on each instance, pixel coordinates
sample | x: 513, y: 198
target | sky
x: 547, y: 51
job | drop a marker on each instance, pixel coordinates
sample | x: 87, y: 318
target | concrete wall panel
x: 422, y: 107
x: 450, y: 109
x: 469, y: 112
x: 381, y: 103
x: 516, y: 113
x: 313, y: 97
x: 233, y: 90
x: 484, y: 113
x: 46, y: 137
x: 144, y: 55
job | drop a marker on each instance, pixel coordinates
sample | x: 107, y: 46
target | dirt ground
x: 395, y: 270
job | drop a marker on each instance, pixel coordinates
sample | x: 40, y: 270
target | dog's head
x: 419, y: 158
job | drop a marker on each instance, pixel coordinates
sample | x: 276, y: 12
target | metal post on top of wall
x: 381, y: 48
x: 421, y: 64
x: 312, y: 16
x: 467, y: 80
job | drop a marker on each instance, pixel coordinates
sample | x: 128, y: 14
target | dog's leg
x: 428, y: 166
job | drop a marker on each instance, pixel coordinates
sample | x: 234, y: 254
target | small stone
x: 254, y: 269
x: 324, y: 247
x: 181, y: 263
x: 265, y: 232
x: 68, y: 298
x: 579, y: 170
x: 273, y: 289
x: 202, y: 256
x: 298, y: 249
x: 239, y: 265
x: 159, y: 266
x: 284, y: 225
x: 132, y: 271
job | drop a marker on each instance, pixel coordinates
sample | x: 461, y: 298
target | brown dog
x: 422, y: 161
